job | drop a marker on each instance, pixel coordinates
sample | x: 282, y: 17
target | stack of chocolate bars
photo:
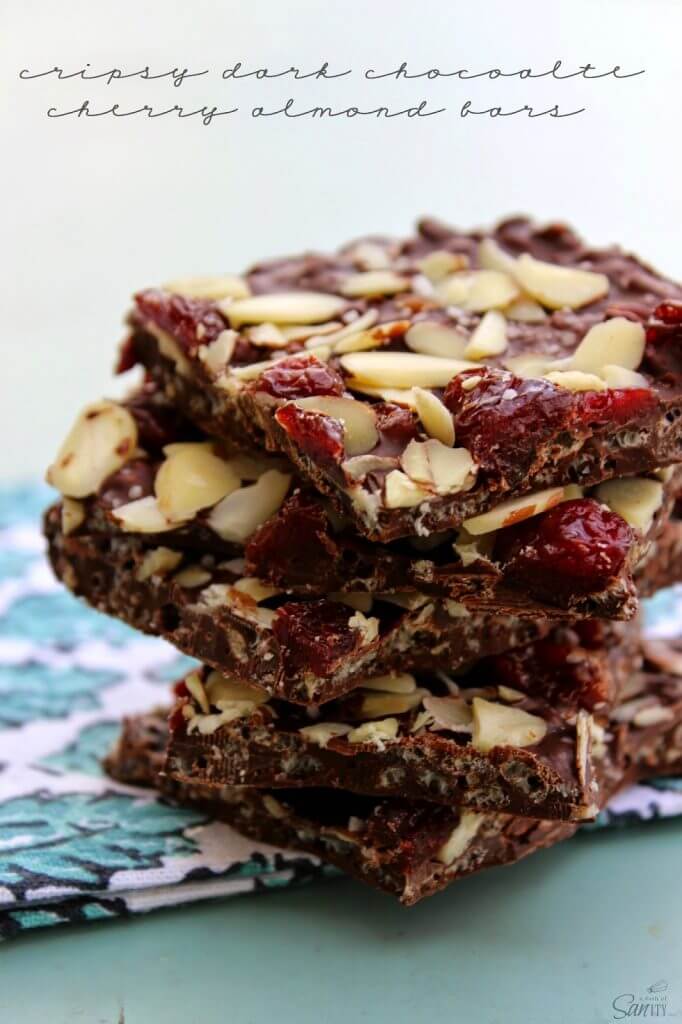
x: 401, y: 502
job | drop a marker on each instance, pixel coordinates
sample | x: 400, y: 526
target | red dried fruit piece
x: 268, y: 552
x: 299, y: 377
x: 177, y: 723
x: 127, y: 355
x: 180, y: 689
x: 504, y: 420
x: 315, y: 636
x: 576, y: 547
x: 663, y: 353
x: 318, y: 436
x: 397, y: 426
x: 191, y: 322
x: 670, y: 312
x: 616, y: 406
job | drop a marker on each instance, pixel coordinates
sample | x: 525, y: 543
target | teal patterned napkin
x: 76, y: 846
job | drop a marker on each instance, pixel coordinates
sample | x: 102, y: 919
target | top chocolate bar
x: 426, y: 383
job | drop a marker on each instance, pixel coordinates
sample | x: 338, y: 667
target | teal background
x: 551, y: 941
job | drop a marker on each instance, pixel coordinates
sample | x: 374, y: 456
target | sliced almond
x: 190, y: 480
x: 267, y: 335
x: 436, y: 418
x: 509, y: 694
x: 255, y: 589
x: 157, y: 562
x: 361, y: 341
x: 618, y: 341
x: 620, y: 377
x: 439, y: 264
x: 206, y: 725
x: 221, y: 687
x: 372, y: 283
x: 368, y: 628
x: 529, y: 364
x: 191, y: 577
x: 169, y: 348
x: 322, y: 732
x: 375, y: 733
x: 636, y: 498
x: 101, y: 440
x: 335, y: 332
x: 446, y: 470
x: 402, y: 492
x: 237, y: 516
x: 498, y: 725
x: 284, y: 308
x: 489, y: 338
x: 376, y: 705
x: 515, y: 510
x: 492, y: 256
x: 434, y: 339
x: 195, y: 685
x: 471, y: 549
x: 478, y: 290
x: 370, y: 256
x: 402, y: 369
x: 360, y: 433
x: 525, y: 310
x: 142, y: 516
x: 359, y: 466
x: 397, y: 396
x: 559, y: 287
x: 395, y: 682
x: 216, y: 356
x: 461, y: 837
x: 73, y: 514
x: 450, y: 713
x: 220, y: 286
x: 576, y: 380
x: 251, y: 371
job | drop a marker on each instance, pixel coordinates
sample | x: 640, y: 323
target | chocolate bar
x: 307, y: 651
x: 412, y: 850
x: 132, y: 469
x: 518, y: 733
x: 423, y: 384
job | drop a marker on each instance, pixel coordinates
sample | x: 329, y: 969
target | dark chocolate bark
x: 523, y: 433
x: 306, y: 651
x: 572, y: 560
x: 520, y: 733
x: 410, y: 850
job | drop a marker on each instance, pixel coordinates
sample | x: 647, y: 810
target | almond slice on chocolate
x: 450, y: 713
x: 617, y: 341
x: 373, y: 283
x: 370, y: 256
x: 376, y: 733
x: 402, y: 369
x: 255, y: 589
x: 216, y: 356
x: 360, y: 433
x: 220, y: 687
x: 284, y: 308
x: 498, y: 725
x: 322, y: 732
x: 514, y: 511
x: 396, y: 682
x: 397, y: 396
x: 439, y: 264
x: 101, y: 440
x: 559, y: 287
x: 436, y: 418
x: 446, y: 470
x: 636, y: 498
x: 237, y: 516
x: 478, y: 290
x: 620, y: 377
x: 525, y: 311
x: 73, y: 514
x: 158, y: 562
x: 576, y: 380
x: 219, y: 286
x: 402, y: 492
x: 492, y: 256
x: 434, y: 339
x: 376, y: 705
x: 489, y: 337
x: 192, y: 576
x: 528, y: 364
x: 192, y: 479
x: 142, y: 516
x: 461, y: 837
x: 169, y: 349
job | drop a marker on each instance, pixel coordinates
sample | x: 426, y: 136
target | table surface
x: 553, y: 941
